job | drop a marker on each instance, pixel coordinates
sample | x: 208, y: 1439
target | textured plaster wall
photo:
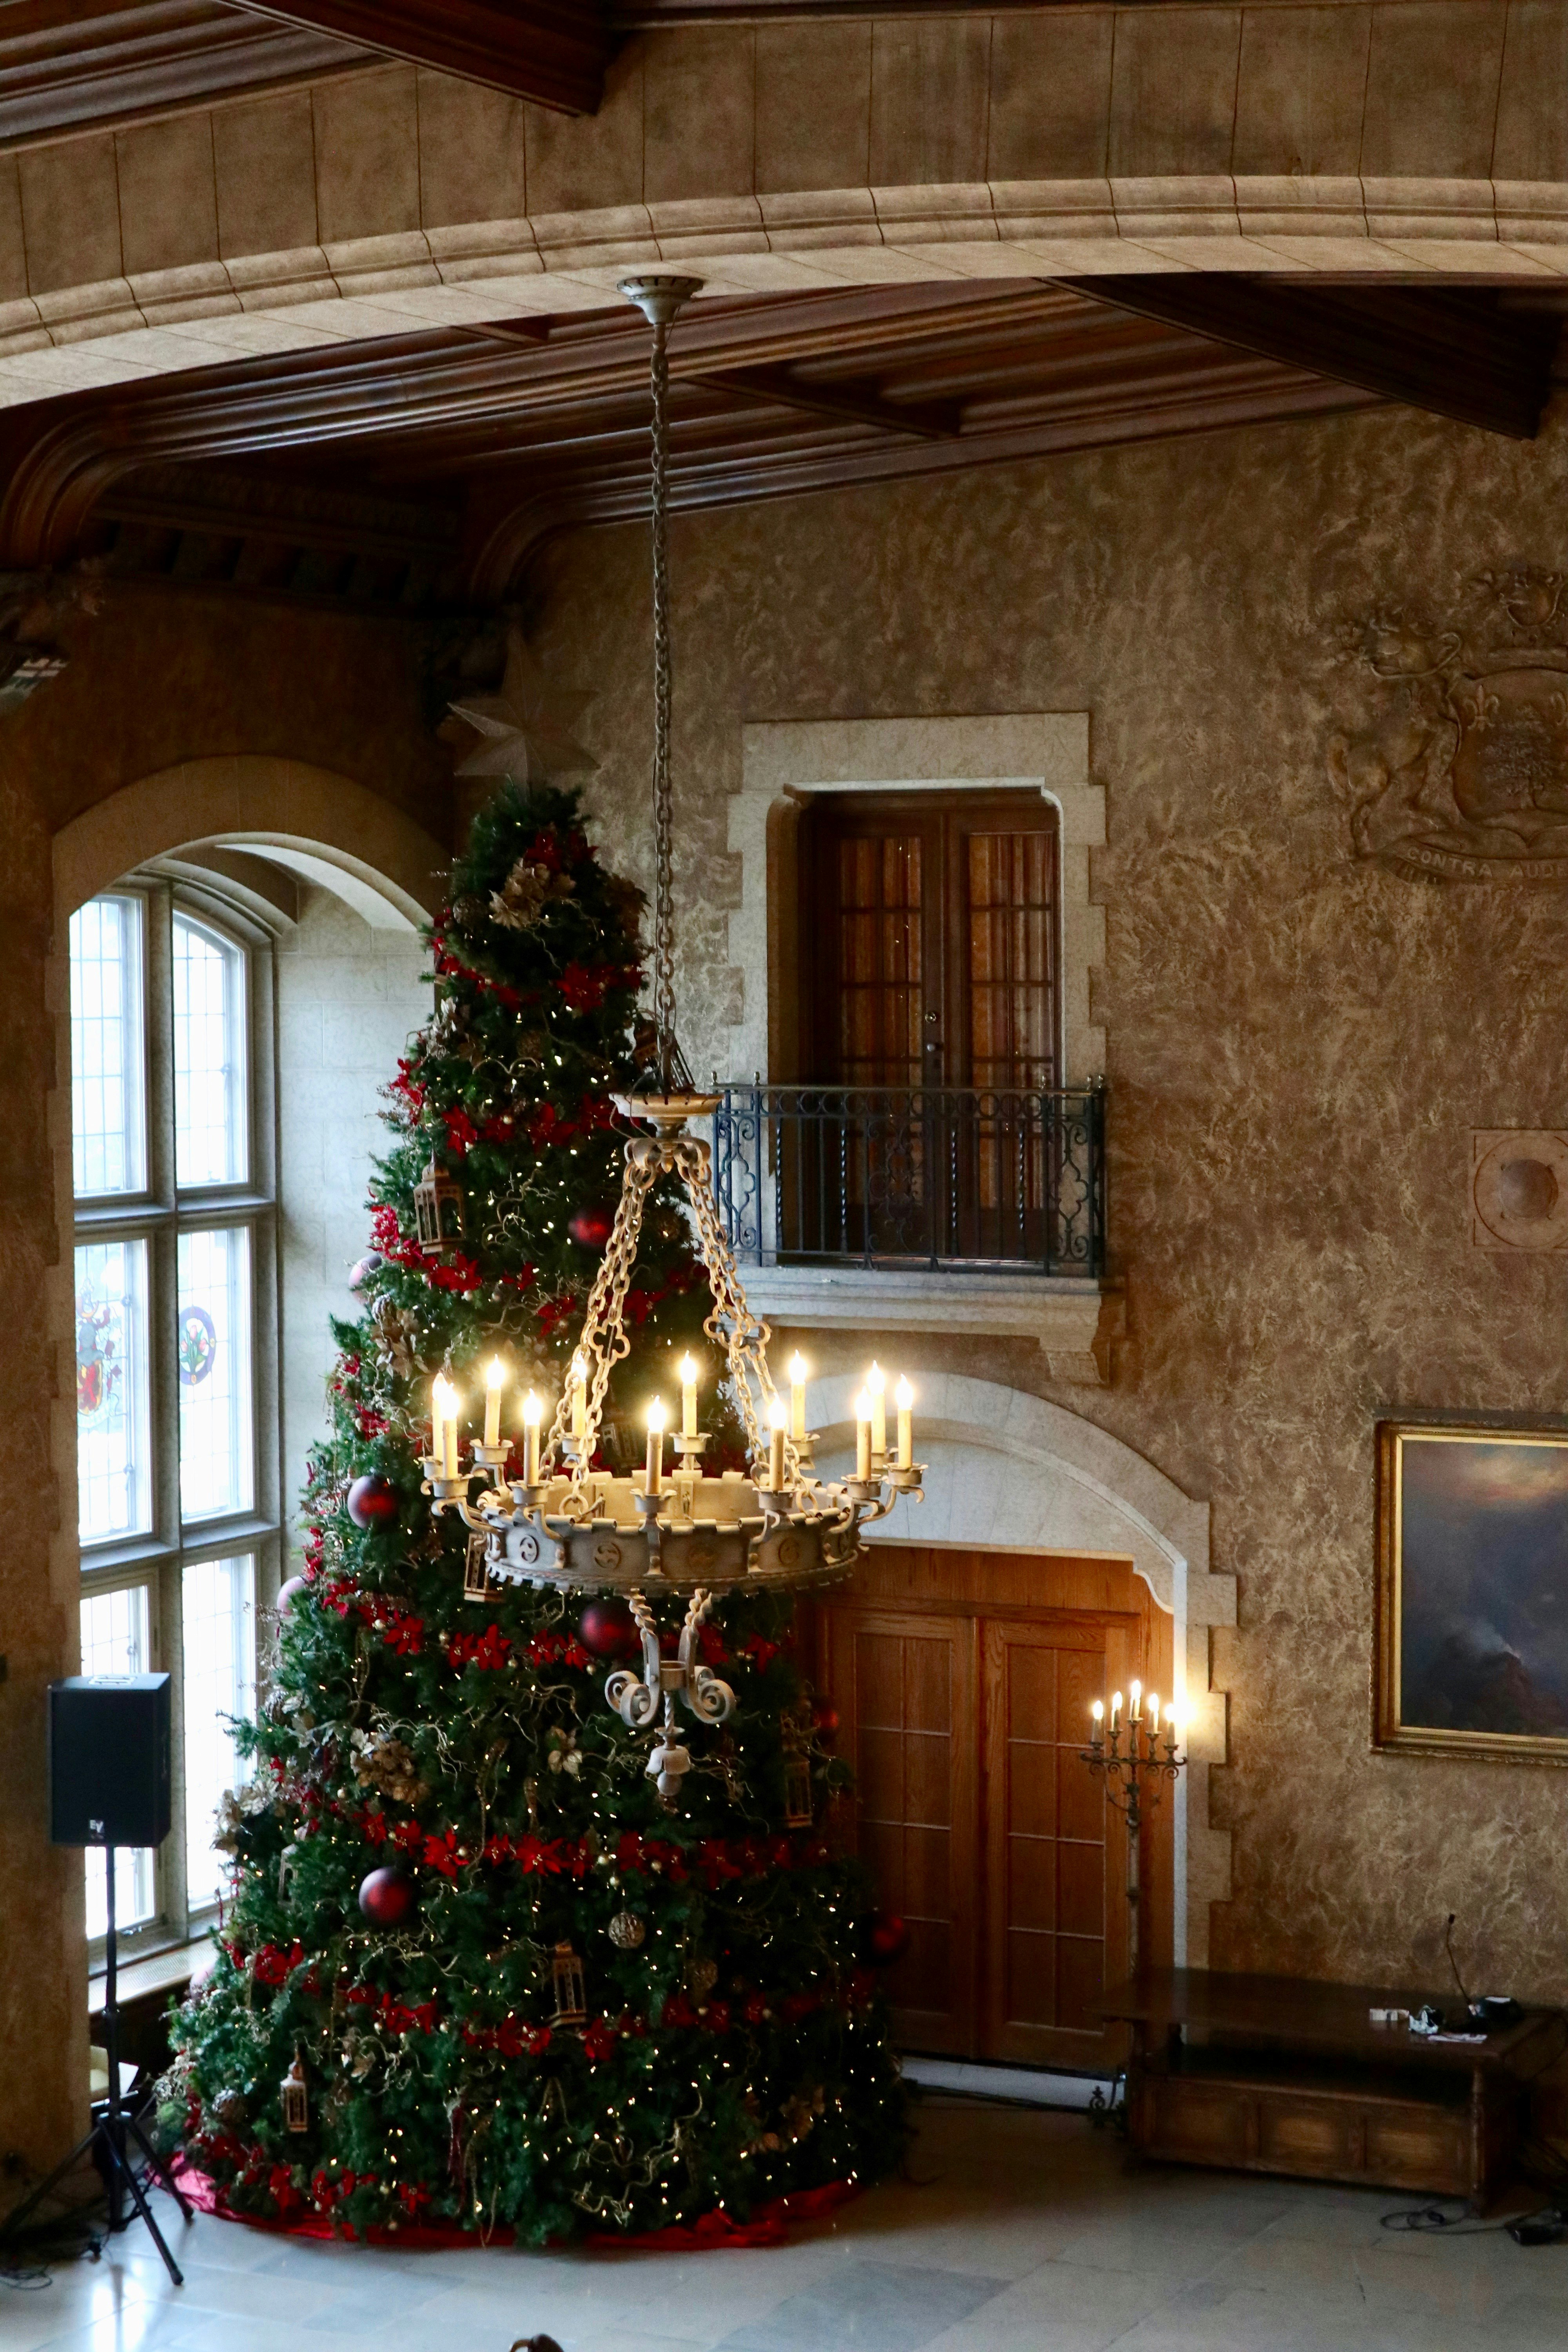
x: 153, y: 681
x: 1298, y: 1042
x: 347, y: 998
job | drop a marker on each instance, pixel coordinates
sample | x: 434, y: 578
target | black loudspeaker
x: 110, y: 1761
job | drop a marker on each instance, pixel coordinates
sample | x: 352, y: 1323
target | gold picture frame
x: 1471, y: 1653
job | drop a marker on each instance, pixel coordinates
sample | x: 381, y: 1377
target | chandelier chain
x: 605, y: 1340
x: 663, y: 814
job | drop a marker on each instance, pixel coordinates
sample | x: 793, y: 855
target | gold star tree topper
x: 525, y: 731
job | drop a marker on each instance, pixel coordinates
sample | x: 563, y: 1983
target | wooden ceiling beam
x: 782, y: 388
x: 1455, y: 353
x: 552, y: 52
x: 64, y: 63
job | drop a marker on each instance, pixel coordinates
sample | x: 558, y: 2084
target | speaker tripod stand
x: 114, y: 2128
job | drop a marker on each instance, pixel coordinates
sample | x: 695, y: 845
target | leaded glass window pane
x: 214, y: 1354
x: 209, y: 1058
x: 108, y: 1142
x: 115, y: 1641
x: 219, y: 1608
x: 113, y: 1446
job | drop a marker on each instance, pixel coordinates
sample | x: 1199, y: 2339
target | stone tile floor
x: 1013, y: 2231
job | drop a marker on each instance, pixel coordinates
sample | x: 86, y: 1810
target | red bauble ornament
x: 374, y: 1501
x: 607, y: 1629
x: 591, y: 1228
x: 363, y: 1268
x: 888, y: 1941
x: 290, y: 1592
x: 387, y: 1897
x: 826, y: 1719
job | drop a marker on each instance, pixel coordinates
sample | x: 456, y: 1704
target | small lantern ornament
x: 438, y: 1209
x: 571, y: 1993
x: 799, y: 1811
x: 477, y: 1566
x: 295, y: 2098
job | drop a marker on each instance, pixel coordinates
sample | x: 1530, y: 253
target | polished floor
x: 1013, y: 2231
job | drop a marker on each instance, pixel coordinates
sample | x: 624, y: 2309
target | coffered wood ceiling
x: 422, y: 472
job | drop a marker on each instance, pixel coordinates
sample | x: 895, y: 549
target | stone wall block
x: 168, y: 194
x: 699, y: 103
x: 930, y: 81
x: 367, y: 154
x: 1434, y: 76
x: 936, y: 214
x: 272, y: 282
x: 1172, y: 95
x: 1532, y: 213
x: 1532, y: 140
x: 71, y: 214
x: 264, y: 161
x: 812, y: 109
x: 472, y: 152
x: 201, y: 290
x: 1301, y: 90
x: 1050, y: 96
x: 594, y: 159
x: 821, y: 219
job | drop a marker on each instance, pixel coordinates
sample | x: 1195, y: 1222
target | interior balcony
x: 959, y: 1209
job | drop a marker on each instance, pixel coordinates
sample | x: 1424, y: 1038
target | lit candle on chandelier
x: 495, y: 1380
x: 688, y: 1397
x: 863, y: 1435
x: 447, y: 1402
x: 797, y: 1370
x: 436, y: 1452
x: 905, y: 1398
x: 532, y: 1412
x: 654, y: 1484
x: 579, y: 1387
x: 778, y: 1416
x: 877, y: 1390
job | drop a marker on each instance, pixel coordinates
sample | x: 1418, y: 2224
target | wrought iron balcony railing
x: 931, y: 1176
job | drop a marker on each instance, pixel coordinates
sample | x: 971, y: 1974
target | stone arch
x: 312, y: 817
x: 1069, y: 1486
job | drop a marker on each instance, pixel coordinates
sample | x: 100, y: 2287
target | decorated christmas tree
x: 476, y: 1970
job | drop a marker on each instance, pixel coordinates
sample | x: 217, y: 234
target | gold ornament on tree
x: 627, y: 1931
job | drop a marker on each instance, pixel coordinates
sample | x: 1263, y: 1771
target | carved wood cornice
x: 540, y: 425
x: 67, y: 63
x: 554, y: 52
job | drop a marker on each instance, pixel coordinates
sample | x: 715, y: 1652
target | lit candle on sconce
x: 778, y: 1417
x: 905, y: 1398
x: 1134, y: 1703
x: 688, y: 1370
x: 1097, y: 1736
x: 495, y: 1380
x: 578, y: 1384
x: 797, y: 1370
x: 863, y: 1435
x: 1153, y: 1713
x: 654, y: 1483
x: 1115, y: 1710
x: 532, y: 1412
x: 877, y: 1390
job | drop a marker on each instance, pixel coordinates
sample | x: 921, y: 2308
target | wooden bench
x: 1284, y: 2075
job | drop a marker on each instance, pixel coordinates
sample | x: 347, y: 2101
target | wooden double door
x: 963, y: 1683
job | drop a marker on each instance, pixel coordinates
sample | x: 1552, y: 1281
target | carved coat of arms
x: 1462, y: 775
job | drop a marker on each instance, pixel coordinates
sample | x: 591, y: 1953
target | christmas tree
x: 475, y: 1970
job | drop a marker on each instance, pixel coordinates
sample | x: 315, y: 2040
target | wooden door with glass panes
x: 964, y: 1682
x: 933, y: 920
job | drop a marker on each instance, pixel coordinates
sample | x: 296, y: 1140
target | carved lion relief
x: 1461, y: 774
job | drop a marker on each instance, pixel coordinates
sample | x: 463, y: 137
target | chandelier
x: 686, y: 1533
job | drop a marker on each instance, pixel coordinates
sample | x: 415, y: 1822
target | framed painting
x: 1472, y: 1591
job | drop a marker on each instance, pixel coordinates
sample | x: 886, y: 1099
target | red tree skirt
x: 767, y: 2226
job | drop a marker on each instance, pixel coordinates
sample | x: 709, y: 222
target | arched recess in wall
x: 309, y: 817
x: 1009, y: 1472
